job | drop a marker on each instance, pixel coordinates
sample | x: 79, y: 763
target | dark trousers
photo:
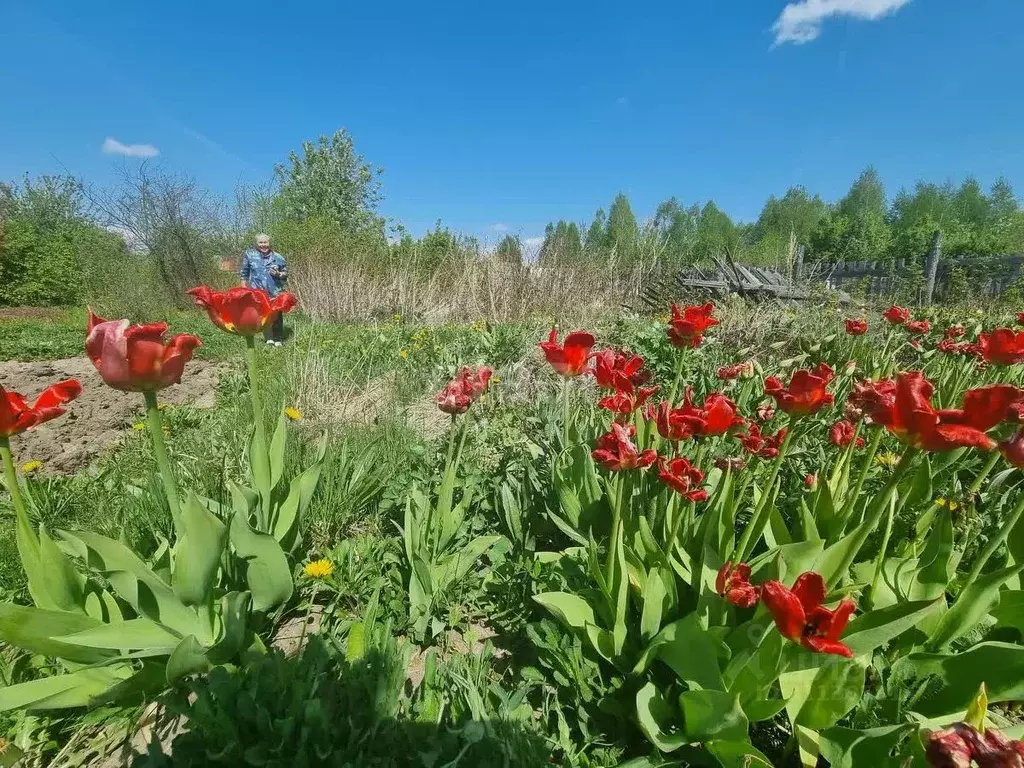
x: 275, y: 330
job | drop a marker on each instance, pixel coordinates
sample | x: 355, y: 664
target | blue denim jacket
x: 256, y: 271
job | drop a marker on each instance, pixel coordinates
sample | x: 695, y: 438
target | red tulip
x: 242, y: 311
x: 1002, y: 346
x: 615, y: 450
x: 1013, y: 449
x: 687, y: 326
x: 16, y: 415
x: 1020, y: 318
x: 811, y: 480
x: 455, y: 398
x: 136, y: 358
x: 954, y: 331
x: 800, y: 614
x: 716, y: 417
x: 684, y: 478
x: 613, y: 369
x: 667, y: 419
x: 948, y: 748
x: 857, y: 327
x: 570, y: 358
x: 841, y: 434
x: 475, y: 380
x: 908, y: 413
x: 896, y: 315
x: 734, y: 585
x: 806, y: 393
x: 918, y: 326
x: 763, y: 446
x: 626, y: 400
x: 730, y: 372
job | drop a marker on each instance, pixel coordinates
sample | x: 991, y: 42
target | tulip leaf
x: 64, y: 585
x: 37, y: 630
x: 198, y: 553
x: 234, y: 614
x: 573, y: 611
x: 849, y: 748
x: 135, y: 582
x: 970, y: 607
x: 689, y: 650
x: 1010, y: 611
x: 75, y: 689
x: 267, y: 572
x: 277, y: 447
x: 933, y: 571
x: 737, y: 754
x: 819, y: 697
x: 711, y: 715
x: 655, y: 716
x: 957, y: 676
x: 876, y: 628
x: 131, y: 635
x: 189, y: 657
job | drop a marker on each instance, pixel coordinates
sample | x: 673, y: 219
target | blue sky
x: 496, y: 117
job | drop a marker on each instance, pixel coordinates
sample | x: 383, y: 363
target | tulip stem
x: 880, y: 561
x: 872, y: 518
x: 678, y: 378
x: 986, y: 470
x: 613, y: 542
x: 565, y: 413
x: 759, y: 518
x: 258, y: 454
x: 869, y: 458
x: 24, y: 530
x: 156, y: 430
x: 995, y: 541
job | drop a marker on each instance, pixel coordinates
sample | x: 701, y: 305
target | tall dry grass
x: 462, y: 289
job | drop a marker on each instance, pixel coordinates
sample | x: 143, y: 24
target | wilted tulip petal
x: 137, y: 358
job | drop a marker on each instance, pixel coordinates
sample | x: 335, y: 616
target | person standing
x: 266, y: 270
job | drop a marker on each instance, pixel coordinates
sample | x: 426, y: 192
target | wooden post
x: 931, y: 266
x: 798, y: 263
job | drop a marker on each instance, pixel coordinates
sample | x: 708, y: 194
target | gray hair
x: 262, y: 236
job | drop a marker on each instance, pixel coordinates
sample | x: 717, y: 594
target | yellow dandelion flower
x: 949, y: 504
x: 495, y: 380
x: 319, y: 569
x: 31, y: 466
x: 397, y: 317
x: 293, y: 413
x: 887, y: 459
x: 162, y: 407
x: 404, y: 354
x: 138, y: 426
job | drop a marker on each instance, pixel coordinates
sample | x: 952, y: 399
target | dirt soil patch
x: 100, y: 415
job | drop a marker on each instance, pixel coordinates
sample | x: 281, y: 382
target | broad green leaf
x: 655, y: 716
x: 36, y: 631
x: 234, y: 635
x: 711, y: 715
x: 737, y: 754
x: 572, y: 610
x: 277, y: 447
x: 267, y: 572
x: 355, y: 644
x: 1010, y: 611
x: 243, y: 499
x: 456, y: 566
x: 689, y: 650
x: 933, y: 572
x: 132, y: 635
x: 198, y: 552
x: 134, y: 582
x: 188, y: 658
x: 970, y: 607
x: 833, y: 692
x: 655, y: 601
x: 76, y: 689
x: 849, y: 748
x: 64, y: 585
x: 958, y: 675
x: 874, y: 629
x: 286, y: 516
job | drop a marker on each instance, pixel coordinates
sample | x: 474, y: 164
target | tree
x: 715, y: 233
x: 622, y: 228
x: 677, y: 226
x: 509, y: 250
x: 330, y: 180
x: 594, y: 241
x: 562, y: 244
x: 857, y: 228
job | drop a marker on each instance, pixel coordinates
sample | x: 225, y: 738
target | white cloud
x: 532, y: 243
x: 131, y: 240
x: 622, y: 101
x: 500, y: 228
x: 114, y: 147
x: 800, y: 22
